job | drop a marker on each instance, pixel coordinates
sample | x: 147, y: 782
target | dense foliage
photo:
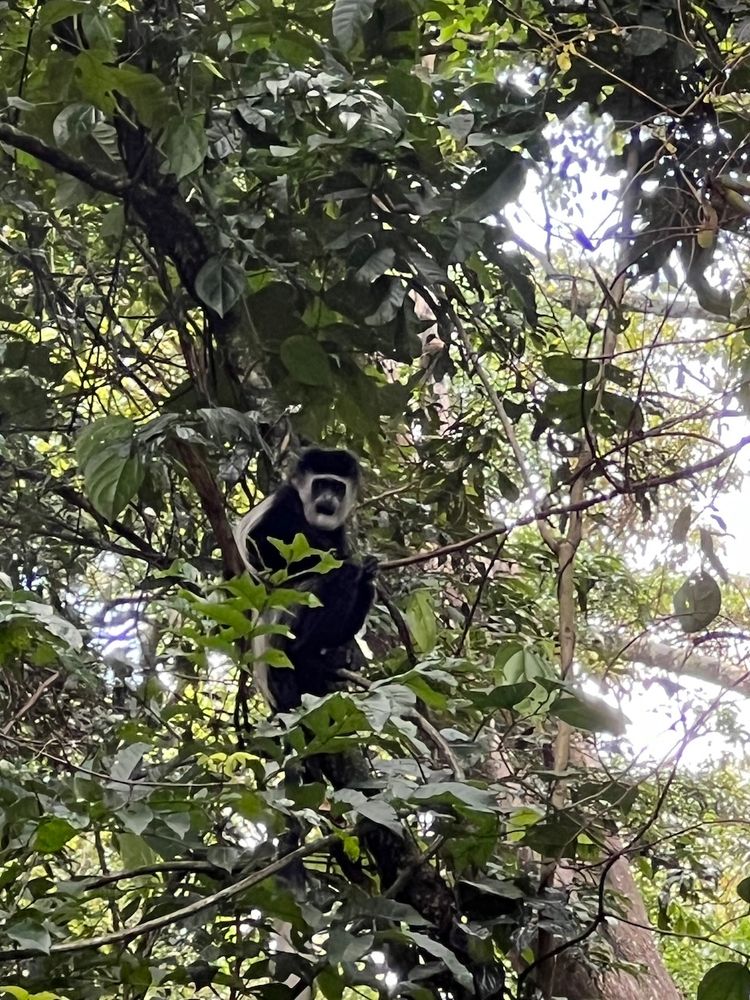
x: 497, y: 249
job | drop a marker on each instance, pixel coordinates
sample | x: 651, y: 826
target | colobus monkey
x: 316, y: 502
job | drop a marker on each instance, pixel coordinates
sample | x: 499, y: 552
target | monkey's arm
x: 346, y: 595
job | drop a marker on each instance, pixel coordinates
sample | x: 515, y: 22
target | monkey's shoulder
x: 284, y: 519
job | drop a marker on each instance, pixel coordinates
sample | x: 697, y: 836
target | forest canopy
x: 499, y: 251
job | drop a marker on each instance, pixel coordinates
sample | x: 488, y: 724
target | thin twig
x: 30, y: 703
x: 131, y: 933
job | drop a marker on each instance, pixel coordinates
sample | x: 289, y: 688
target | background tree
x: 234, y: 228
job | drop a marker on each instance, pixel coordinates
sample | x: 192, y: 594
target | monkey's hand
x: 369, y: 568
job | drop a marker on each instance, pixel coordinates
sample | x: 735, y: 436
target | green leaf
x: 420, y: 617
x: 134, y: 851
x: 726, y: 981
x: 383, y: 814
x: 101, y: 83
x: 184, y: 144
x: 112, y: 472
x: 376, y: 265
x: 331, y: 983
x: 52, y: 835
x: 492, y: 186
x: 505, y: 696
x: 348, y: 19
x: 707, y: 546
x: 439, y: 951
x: 389, y: 304
x: 743, y: 889
x: 681, y: 525
x: 456, y: 793
x: 126, y: 760
x: 23, y: 402
x: 29, y: 934
x: 570, y: 408
x: 223, y: 857
x: 306, y: 361
x: 507, y: 487
x: 585, y: 712
x: 219, y: 283
x: 75, y: 122
x: 568, y: 370
x: 57, y: 10
x: 697, y: 602
x: 346, y: 947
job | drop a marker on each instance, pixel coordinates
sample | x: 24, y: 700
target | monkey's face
x: 327, y: 500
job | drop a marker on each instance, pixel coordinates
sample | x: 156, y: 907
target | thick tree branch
x: 685, y: 661
x: 100, y: 180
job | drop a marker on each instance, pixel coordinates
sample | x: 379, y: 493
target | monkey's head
x: 328, y: 482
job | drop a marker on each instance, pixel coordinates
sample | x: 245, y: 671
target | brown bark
x: 634, y: 945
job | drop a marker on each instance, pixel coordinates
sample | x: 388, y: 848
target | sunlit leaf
x: 420, y: 617
x: 697, y: 602
x: 584, y: 712
x: 112, y: 470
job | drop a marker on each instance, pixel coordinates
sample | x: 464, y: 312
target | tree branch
x: 131, y: 933
x: 634, y: 486
x: 100, y: 180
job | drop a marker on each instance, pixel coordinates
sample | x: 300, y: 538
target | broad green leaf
x: 103, y: 433
x: 56, y: 10
x: 381, y: 813
x: 112, y: 471
x: 345, y: 947
x: 126, y: 760
x: 134, y: 851
x: 420, y: 617
x: 30, y: 934
x: 571, y: 408
x: 184, y: 144
x: 568, y: 370
x: 23, y: 402
x: 585, y: 712
x: 492, y: 186
x: 52, y: 835
x: 331, y: 982
x: 439, y: 951
x: 220, y: 283
x: 74, y: 123
x: 390, y: 304
x: 709, y: 551
x: 726, y: 981
x: 103, y: 84
x: 697, y: 602
x: 743, y: 889
x: 224, y: 614
x: 376, y: 265
x: 507, y: 487
x: 223, y: 857
x: 306, y: 361
x: 456, y: 793
x: 348, y: 19
x: 136, y: 817
x: 505, y: 696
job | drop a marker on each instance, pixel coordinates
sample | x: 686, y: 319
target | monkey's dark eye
x: 323, y: 486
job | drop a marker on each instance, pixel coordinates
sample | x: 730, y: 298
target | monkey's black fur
x: 325, y: 481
